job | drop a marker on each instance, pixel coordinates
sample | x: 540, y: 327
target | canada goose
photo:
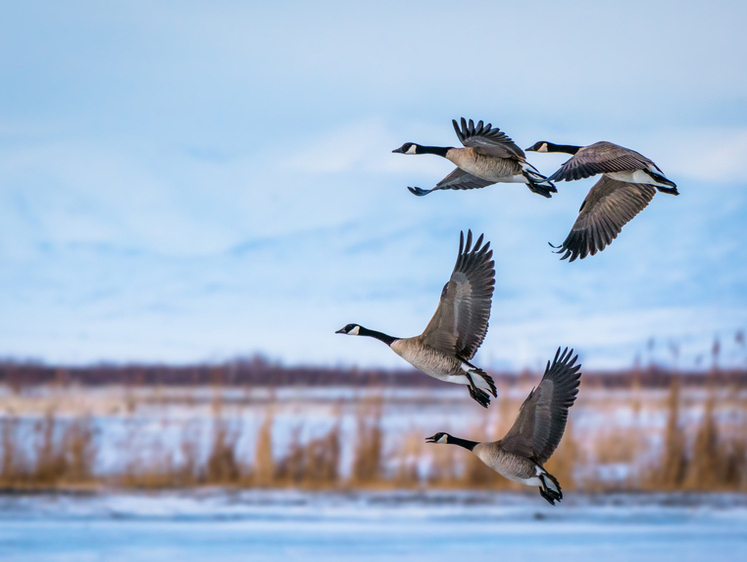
x: 628, y: 184
x: 536, y: 433
x: 458, y: 327
x: 489, y: 157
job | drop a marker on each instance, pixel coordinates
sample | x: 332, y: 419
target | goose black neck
x: 439, y: 150
x: 565, y: 148
x: 389, y: 340
x: 469, y: 445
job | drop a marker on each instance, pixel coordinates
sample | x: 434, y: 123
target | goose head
x: 539, y: 146
x: 350, y: 330
x: 408, y: 148
x: 440, y: 437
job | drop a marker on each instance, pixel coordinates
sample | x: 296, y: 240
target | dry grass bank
x: 707, y: 452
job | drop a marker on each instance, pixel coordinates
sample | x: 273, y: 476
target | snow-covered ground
x: 433, y: 526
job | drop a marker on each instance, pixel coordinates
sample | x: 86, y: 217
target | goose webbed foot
x: 488, y: 379
x: 553, y: 492
x: 545, y: 189
x: 549, y: 495
x: 669, y: 190
x: 479, y: 396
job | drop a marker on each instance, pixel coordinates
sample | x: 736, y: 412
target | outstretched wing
x: 539, y: 427
x: 459, y: 179
x: 486, y: 140
x: 609, y: 206
x: 460, y: 322
x: 600, y: 158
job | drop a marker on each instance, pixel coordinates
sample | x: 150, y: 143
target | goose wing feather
x: 460, y: 322
x: 487, y: 140
x: 539, y: 427
x: 599, y: 158
x: 459, y: 179
x: 609, y: 206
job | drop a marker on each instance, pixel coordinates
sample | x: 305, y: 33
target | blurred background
x: 194, y: 197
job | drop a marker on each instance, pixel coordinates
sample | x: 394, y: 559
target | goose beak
x: 530, y: 149
x: 431, y: 439
x: 340, y: 331
x: 398, y: 150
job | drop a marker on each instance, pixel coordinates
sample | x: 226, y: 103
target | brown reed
x: 222, y: 468
x: 407, y: 460
x: 264, y: 471
x: 63, y: 453
x: 710, y: 454
x: 671, y: 467
x: 367, y: 455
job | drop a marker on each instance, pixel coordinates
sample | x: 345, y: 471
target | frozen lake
x: 252, y: 525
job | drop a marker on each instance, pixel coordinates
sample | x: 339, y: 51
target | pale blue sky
x: 185, y: 181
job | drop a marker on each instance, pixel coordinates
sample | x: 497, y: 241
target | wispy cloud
x: 713, y: 154
x: 188, y: 183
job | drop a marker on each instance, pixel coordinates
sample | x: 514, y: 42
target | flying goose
x: 489, y: 156
x: 446, y: 346
x: 628, y: 184
x: 536, y: 433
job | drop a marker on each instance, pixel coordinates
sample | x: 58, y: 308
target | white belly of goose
x: 431, y: 362
x: 509, y: 466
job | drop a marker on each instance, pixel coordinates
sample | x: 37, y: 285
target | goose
x: 536, y: 433
x: 628, y: 184
x: 489, y: 156
x: 449, y: 342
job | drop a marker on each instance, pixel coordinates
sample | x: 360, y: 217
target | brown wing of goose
x: 460, y: 322
x: 608, y: 207
x: 487, y: 140
x: 459, y: 179
x: 599, y: 158
x: 539, y: 427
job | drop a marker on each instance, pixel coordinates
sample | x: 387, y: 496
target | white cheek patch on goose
x: 443, y: 439
x: 354, y: 331
x: 411, y: 150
